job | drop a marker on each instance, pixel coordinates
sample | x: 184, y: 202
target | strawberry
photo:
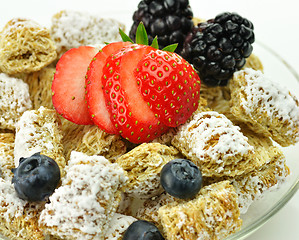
x: 68, y: 85
x: 129, y: 112
x: 94, y: 88
x: 169, y: 85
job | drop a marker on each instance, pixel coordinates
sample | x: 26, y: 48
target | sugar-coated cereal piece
x: 213, y: 215
x: 143, y: 165
x: 265, y: 106
x: 7, y: 143
x: 39, y: 131
x: 92, y: 141
x: 118, y: 225
x: 83, y: 206
x: 149, y: 209
x: 40, y: 87
x: 25, y: 47
x: 19, y: 218
x: 14, y: 100
x: 253, y: 186
x: 215, y: 145
x: 71, y: 29
x: 269, y: 173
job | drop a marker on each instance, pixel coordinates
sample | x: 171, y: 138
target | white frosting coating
x: 265, y: 96
x: 14, y: 100
x: 29, y: 139
x: 73, y: 28
x: 208, y: 125
x: 83, y: 206
x: 118, y: 225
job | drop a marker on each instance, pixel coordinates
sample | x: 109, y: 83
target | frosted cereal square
x: 213, y: 214
x: 215, y: 145
x: 71, y: 29
x: 252, y: 186
x: 265, y: 106
x: 14, y: 100
x: 84, y: 205
x: 39, y: 131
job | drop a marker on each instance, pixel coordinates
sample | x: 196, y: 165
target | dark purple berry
x: 181, y: 178
x: 36, y: 177
x: 218, y: 47
x: 142, y: 230
x: 170, y: 20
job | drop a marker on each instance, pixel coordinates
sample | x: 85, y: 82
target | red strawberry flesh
x: 68, y: 85
x: 129, y: 112
x: 94, y: 88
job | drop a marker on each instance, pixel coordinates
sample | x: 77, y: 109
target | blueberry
x: 142, y: 230
x: 181, y: 178
x: 36, y: 177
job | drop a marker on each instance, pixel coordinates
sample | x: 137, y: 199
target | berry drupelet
x: 219, y: 47
x: 169, y: 20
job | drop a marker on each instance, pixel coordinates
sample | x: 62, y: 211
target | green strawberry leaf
x: 170, y: 48
x: 141, y: 35
x: 125, y: 37
x: 155, y: 43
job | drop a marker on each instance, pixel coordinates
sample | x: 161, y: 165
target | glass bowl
x: 262, y: 210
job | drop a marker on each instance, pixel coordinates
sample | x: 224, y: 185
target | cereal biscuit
x: 39, y: 131
x: 19, y: 218
x: 269, y: 173
x: 143, y: 165
x: 118, y: 225
x: 212, y: 215
x: 83, y: 206
x: 215, y: 145
x: 149, y: 209
x: 25, y: 47
x: 92, y: 141
x: 14, y: 100
x: 7, y: 143
x: 265, y: 107
x: 253, y: 186
x: 71, y: 29
x: 40, y: 87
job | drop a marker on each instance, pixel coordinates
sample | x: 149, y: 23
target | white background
x: 276, y: 25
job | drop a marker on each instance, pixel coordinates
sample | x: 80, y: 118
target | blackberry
x: 219, y: 47
x: 169, y: 20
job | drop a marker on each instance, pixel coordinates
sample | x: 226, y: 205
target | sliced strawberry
x: 94, y: 88
x: 169, y: 85
x: 129, y: 112
x: 68, y: 85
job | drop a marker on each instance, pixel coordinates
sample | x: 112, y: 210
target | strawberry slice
x: 68, y: 85
x: 94, y: 88
x: 129, y: 112
x: 169, y: 85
